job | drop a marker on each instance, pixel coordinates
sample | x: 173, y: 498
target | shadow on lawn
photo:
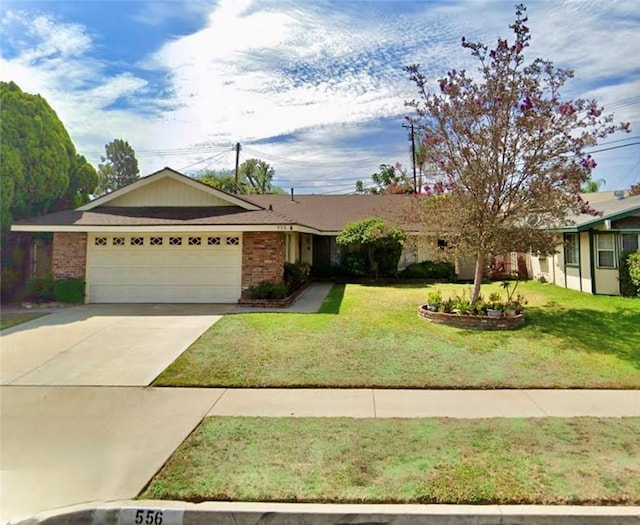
x: 616, y: 333
x: 333, y: 301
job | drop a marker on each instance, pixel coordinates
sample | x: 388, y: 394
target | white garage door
x: 164, y: 268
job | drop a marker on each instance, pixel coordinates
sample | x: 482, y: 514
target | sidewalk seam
x: 216, y: 402
x: 373, y: 396
x: 526, y: 394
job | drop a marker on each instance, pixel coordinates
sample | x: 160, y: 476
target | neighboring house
x: 589, y: 254
x: 170, y: 238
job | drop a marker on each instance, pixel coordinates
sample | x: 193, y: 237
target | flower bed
x: 472, y: 322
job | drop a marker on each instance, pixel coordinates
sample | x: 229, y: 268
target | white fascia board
x: 169, y: 228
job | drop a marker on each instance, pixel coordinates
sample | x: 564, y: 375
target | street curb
x: 131, y: 512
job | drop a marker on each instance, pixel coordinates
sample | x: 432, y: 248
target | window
x: 118, y: 241
x: 630, y: 241
x: 175, y: 241
x: 606, y: 251
x: 233, y: 241
x: 156, y: 241
x: 213, y: 241
x: 137, y: 241
x: 194, y: 241
x: 571, y: 252
x: 100, y: 241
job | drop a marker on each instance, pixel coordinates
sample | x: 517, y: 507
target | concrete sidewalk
x: 380, y: 403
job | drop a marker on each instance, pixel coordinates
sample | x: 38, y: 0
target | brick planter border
x: 472, y: 322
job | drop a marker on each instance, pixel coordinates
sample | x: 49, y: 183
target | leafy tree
x: 40, y: 171
x: 508, y: 149
x: 256, y: 177
x: 592, y: 186
x: 375, y: 242
x: 118, y: 168
x: 221, y: 180
x: 388, y: 179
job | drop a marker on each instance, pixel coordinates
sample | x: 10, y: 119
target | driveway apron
x: 102, y: 345
x: 66, y: 445
x: 62, y: 442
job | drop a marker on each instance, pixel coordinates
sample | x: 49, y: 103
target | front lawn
x: 500, y: 461
x: 7, y: 320
x: 371, y: 336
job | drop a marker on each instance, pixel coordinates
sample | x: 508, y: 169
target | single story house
x: 170, y: 238
x: 588, y: 255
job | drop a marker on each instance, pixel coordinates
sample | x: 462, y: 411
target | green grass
x: 371, y: 336
x: 503, y: 461
x: 7, y: 320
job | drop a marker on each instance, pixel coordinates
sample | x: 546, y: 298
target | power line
x: 212, y: 158
x: 304, y: 163
x: 614, y: 147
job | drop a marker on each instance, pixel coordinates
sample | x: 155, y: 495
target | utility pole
x: 237, y: 163
x: 413, y: 157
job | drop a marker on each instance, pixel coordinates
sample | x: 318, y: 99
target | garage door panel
x: 169, y: 259
x: 166, y: 277
x: 162, y: 273
x: 166, y: 294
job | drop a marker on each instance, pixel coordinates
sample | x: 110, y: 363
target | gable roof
x: 167, y: 172
x: 609, y: 205
x: 321, y: 214
x: 331, y: 213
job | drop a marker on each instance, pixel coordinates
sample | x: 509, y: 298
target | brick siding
x: 263, y: 256
x: 69, y: 258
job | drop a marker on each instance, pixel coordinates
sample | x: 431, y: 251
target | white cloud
x: 258, y: 70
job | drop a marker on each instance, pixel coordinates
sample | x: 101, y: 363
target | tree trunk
x: 477, y: 276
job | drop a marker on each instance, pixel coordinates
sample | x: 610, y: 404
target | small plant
x: 434, y: 298
x: 69, y: 290
x: 40, y: 289
x: 446, y: 306
x: 267, y: 290
x: 510, y: 288
x: 296, y: 275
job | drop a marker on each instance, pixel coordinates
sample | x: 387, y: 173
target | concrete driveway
x: 78, y: 422
x: 66, y: 445
x: 102, y: 345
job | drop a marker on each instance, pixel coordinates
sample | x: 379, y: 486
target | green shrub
x: 429, y: 270
x: 629, y: 274
x: 387, y: 258
x: 378, y: 247
x: 267, y: 290
x: 69, y: 290
x: 355, y: 264
x: 40, y: 289
x: 296, y: 275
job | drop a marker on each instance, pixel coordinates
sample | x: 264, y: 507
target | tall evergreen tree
x: 118, y: 168
x: 40, y: 171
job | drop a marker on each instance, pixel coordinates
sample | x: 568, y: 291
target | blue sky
x: 315, y: 88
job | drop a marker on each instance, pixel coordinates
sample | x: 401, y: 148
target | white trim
x: 172, y: 174
x: 169, y: 228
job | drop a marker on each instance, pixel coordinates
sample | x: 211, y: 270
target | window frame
x: 622, y: 238
x: 612, y: 250
x: 573, y: 249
